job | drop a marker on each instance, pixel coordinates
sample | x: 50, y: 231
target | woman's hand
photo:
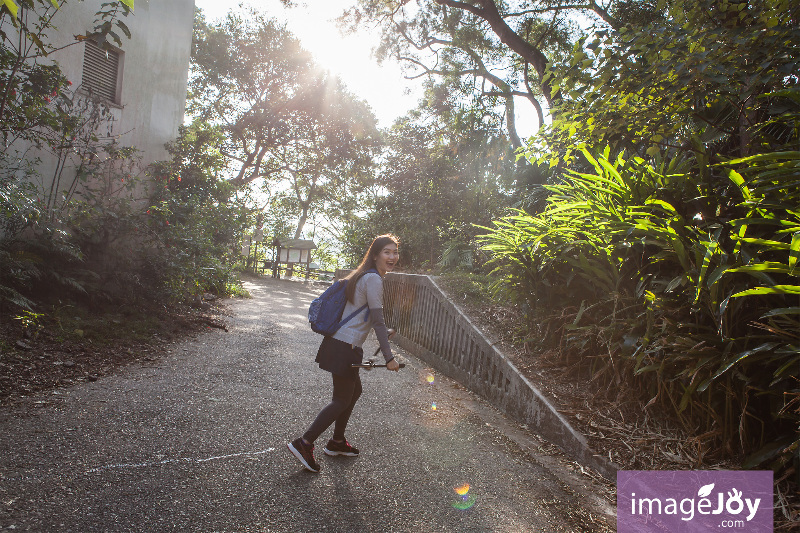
x: 393, y: 365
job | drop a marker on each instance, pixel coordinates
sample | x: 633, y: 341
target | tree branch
x: 462, y: 5
x: 590, y: 6
x: 509, y: 37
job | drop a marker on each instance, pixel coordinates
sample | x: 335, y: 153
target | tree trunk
x: 305, y: 205
x: 301, y: 221
x: 511, y: 122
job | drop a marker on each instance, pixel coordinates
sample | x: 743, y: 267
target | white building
x: 145, y: 81
x: 149, y: 86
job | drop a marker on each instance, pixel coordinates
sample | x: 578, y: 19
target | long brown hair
x: 368, y: 262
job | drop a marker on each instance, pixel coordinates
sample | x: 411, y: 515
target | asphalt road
x: 196, y: 441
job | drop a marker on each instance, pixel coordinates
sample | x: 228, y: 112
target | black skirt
x: 336, y: 356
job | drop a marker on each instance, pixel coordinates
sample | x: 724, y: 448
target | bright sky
x: 382, y: 87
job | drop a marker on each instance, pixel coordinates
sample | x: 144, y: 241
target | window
x: 102, y: 72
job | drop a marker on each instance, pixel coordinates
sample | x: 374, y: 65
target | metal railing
x: 433, y: 328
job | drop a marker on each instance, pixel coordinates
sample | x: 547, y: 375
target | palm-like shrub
x: 692, y: 303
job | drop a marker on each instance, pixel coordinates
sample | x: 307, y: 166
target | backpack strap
x: 351, y: 315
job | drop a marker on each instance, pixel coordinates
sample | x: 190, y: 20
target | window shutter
x: 100, y: 71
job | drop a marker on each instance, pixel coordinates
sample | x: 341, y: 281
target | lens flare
x: 465, y: 499
x: 465, y: 503
x: 429, y: 378
x: 433, y: 406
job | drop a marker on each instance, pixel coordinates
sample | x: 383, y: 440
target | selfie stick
x: 369, y: 365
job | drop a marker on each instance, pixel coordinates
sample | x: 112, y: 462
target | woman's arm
x: 382, y: 332
x: 374, y: 290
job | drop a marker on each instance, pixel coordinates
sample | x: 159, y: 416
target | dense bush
x: 122, y: 237
x: 42, y: 116
x: 90, y: 229
x: 195, y: 221
x: 698, y: 309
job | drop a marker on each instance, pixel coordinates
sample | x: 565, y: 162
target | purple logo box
x: 678, y: 501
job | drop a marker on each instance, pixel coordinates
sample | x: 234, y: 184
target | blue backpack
x: 325, y: 312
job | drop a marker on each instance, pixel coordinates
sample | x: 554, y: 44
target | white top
x: 369, y: 290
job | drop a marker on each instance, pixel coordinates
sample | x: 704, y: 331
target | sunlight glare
x: 382, y: 87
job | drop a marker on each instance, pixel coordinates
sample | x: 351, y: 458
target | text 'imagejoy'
x: 694, y: 501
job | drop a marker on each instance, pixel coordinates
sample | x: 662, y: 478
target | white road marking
x: 178, y: 460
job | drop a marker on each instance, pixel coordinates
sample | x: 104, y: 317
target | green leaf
x: 675, y: 282
x: 124, y: 29
x: 12, y: 7
x: 731, y: 362
x: 716, y: 275
x: 128, y: 3
x: 710, y: 251
x: 772, y: 156
x: 790, y: 365
x: 776, y: 289
x: 782, y: 311
x: 794, y: 250
x: 737, y: 179
x: 772, y: 245
x: 661, y: 203
x: 769, y: 266
x: 38, y: 42
x: 770, y: 451
x: 680, y: 251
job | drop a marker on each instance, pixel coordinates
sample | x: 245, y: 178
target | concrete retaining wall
x: 433, y: 328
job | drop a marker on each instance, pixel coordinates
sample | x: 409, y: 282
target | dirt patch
x: 70, y: 345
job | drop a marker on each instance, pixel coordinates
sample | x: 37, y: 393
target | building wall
x: 150, y: 110
x: 155, y: 71
x: 153, y: 84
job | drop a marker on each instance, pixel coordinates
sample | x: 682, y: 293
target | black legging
x: 346, y: 392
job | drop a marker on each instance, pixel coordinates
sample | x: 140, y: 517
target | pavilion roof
x: 298, y: 244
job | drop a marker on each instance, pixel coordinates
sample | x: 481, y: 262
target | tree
x: 284, y: 120
x: 710, y: 78
x: 196, y: 220
x: 247, y: 74
x: 508, y: 45
x: 444, y: 169
x: 333, y: 139
x: 669, y: 247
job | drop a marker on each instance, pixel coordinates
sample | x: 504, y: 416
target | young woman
x: 343, y: 348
